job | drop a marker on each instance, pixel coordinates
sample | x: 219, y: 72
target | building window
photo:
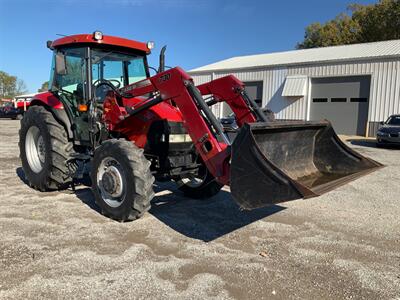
x: 319, y: 100
x: 254, y: 90
x: 338, y: 99
x: 358, y: 99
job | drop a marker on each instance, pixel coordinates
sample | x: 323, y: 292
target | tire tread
x: 139, y: 167
x: 61, y: 149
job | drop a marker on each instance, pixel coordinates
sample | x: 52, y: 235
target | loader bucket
x: 281, y: 161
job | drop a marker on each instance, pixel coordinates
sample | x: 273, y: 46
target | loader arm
x: 231, y: 90
x: 177, y: 86
x: 268, y: 162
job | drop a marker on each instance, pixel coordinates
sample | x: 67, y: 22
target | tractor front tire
x: 122, y: 183
x: 200, y: 186
x: 44, y: 150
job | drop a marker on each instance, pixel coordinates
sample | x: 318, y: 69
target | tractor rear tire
x: 202, y: 187
x: 121, y: 180
x: 44, y: 150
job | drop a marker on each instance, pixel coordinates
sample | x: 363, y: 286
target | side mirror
x: 61, y: 65
x: 48, y: 44
x: 382, y: 123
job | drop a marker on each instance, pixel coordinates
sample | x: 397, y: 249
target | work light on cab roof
x: 150, y: 45
x: 97, y: 35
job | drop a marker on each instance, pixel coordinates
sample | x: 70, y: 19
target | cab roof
x: 106, y: 40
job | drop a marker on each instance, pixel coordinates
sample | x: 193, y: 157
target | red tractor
x: 104, y: 115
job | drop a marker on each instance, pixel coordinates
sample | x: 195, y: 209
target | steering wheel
x: 109, y: 81
x: 102, y: 86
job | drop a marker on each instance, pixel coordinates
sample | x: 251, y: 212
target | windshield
x: 121, y: 69
x: 394, y: 120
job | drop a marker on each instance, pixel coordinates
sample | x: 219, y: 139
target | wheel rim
x: 35, y: 149
x: 111, y: 182
x: 195, y: 181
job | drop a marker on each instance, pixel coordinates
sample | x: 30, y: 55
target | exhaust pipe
x: 161, y: 67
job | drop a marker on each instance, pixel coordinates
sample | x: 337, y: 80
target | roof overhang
x: 365, y: 52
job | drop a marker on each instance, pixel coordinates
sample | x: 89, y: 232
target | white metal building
x: 353, y: 86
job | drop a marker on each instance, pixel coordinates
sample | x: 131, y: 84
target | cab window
x: 136, y: 70
x: 119, y: 68
x: 72, y: 81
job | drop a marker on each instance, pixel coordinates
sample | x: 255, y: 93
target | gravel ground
x: 344, y: 244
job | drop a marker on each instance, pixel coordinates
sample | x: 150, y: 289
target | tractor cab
x: 82, y: 62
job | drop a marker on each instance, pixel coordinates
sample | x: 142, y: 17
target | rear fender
x: 55, y: 106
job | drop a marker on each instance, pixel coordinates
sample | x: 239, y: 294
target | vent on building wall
x: 295, y: 86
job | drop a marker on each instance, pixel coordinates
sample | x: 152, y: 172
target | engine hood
x: 390, y: 128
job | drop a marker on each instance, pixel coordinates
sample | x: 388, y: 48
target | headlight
x: 179, y: 138
x: 381, y: 133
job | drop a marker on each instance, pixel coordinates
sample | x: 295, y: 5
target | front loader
x: 105, y: 117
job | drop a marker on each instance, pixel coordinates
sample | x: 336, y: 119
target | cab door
x: 70, y: 82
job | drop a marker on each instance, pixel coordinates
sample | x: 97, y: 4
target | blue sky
x: 197, y: 32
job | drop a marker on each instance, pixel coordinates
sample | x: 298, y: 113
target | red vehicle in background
x: 8, y: 110
x: 21, y: 103
x: 16, y: 108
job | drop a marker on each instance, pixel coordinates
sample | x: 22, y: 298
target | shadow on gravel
x: 204, y: 220
x: 83, y: 191
x: 370, y: 143
x: 86, y: 196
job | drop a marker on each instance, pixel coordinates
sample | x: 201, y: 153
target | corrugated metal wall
x: 384, y: 92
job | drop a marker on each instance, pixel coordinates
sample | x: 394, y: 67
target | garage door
x: 343, y: 101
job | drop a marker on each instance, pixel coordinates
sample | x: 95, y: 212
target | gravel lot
x: 344, y: 244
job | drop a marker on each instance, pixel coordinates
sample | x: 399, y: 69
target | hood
x: 390, y: 128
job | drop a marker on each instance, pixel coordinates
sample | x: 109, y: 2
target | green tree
x: 11, y: 86
x: 366, y: 23
x: 379, y: 22
x: 44, y: 87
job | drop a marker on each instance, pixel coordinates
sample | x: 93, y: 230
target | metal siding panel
x: 379, y: 98
x: 383, y: 99
x: 200, y: 79
x: 392, y: 95
x: 367, y: 69
x: 384, y: 94
x: 397, y: 88
x: 393, y: 87
x: 374, y: 94
x: 389, y: 100
x: 373, y: 109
